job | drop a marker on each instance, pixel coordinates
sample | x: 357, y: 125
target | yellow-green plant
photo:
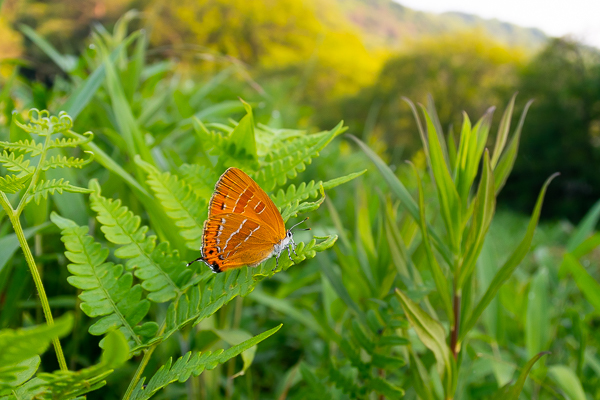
x: 26, y: 161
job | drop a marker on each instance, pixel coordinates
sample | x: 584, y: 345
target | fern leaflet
x: 193, y: 364
x: 24, y: 146
x: 71, y: 142
x: 180, y: 202
x: 44, y: 188
x: 202, y: 179
x: 64, y: 162
x: 12, y: 183
x: 16, y: 164
x: 286, y: 159
x: 162, y: 273
x: 107, y: 290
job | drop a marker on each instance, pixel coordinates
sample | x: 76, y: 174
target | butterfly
x: 244, y: 226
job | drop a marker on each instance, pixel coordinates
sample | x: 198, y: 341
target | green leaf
x: 19, y: 347
x: 67, y: 64
x: 509, y: 266
x: 64, y: 162
x: 44, y: 188
x: 107, y: 289
x: 161, y: 271
x: 233, y: 336
x: 16, y: 164
x: 385, y: 388
x: 567, y: 381
x: 84, y: 92
x: 192, y: 364
x: 439, y: 278
x: 507, y: 160
x: 447, y: 194
x: 66, y: 385
x: 398, y: 188
x: 485, y: 204
x: 12, y: 183
x: 503, y: 130
x: 585, y: 228
x: 181, y: 204
x: 291, y: 156
x: 537, y: 322
x: 584, y: 280
x: 242, y: 138
x: 509, y: 392
x: 432, y: 335
x: 62, y: 143
x: 24, y: 146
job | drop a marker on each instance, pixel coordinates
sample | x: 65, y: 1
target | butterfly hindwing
x: 234, y: 240
x: 237, y: 193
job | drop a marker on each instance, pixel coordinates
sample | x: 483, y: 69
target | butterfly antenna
x: 191, y: 262
x: 307, y: 229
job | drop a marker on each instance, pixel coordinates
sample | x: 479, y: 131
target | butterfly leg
x: 290, y: 254
x: 276, y: 263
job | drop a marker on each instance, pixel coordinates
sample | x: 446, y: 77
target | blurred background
x: 354, y: 60
x: 308, y: 64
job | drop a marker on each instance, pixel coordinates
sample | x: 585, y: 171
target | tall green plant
x: 452, y: 248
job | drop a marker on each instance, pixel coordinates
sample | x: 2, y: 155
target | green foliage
x: 193, y: 364
x: 20, y: 351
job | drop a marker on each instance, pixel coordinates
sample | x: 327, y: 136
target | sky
x: 578, y: 18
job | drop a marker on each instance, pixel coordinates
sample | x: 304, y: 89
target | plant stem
x: 143, y: 364
x: 454, y: 332
x: 14, y: 219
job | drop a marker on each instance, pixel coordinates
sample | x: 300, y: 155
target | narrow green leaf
x: 485, y: 204
x: 537, y: 322
x: 441, y: 283
x: 84, y: 92
x: 430, y: 332
x: 585, y: 228
x: 65, y: 63
x: 509, y: 266
x: 398, y: 188
x: 586, y: 282
x: 507, y: 160
x: 503, y: 130
x: 568, y: 382
x: 512, y: 392
x: 447, y: 194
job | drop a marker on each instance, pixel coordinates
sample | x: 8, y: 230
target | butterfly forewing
x: 237, y: 193
x: 233, y: 240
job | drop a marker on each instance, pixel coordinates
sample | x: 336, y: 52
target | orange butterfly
x: 244, y: 227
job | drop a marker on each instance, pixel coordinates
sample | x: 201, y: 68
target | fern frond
x: 210, y: 140
x: 16, y: 164
x: 193, y: 364
x: 71, y: 142
x: 202, y: 179
x: 44, y: 188
x: 64, y: 162
x: 63, y: 385
x: 24, y: 146
x: 304, y: 191
x: 43, y: 124
x: 198, y: 304
x: 162, y: 273
x: 290, y: 157
x: 12, y: 183
x: 180, y: 202
x: 21, y: 345
x: 107, y: 289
